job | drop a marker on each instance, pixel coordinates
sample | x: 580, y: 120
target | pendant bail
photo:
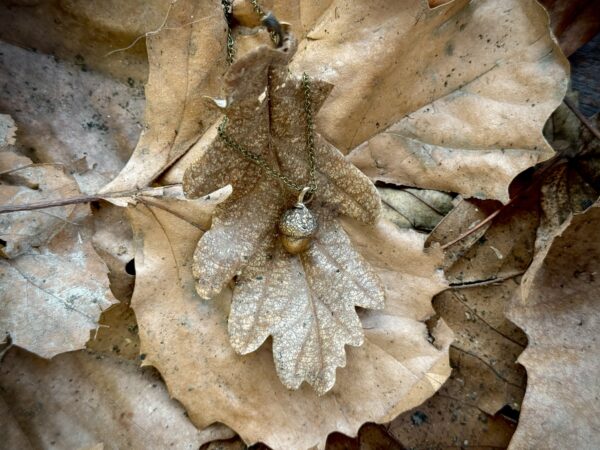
x: 300, y: 203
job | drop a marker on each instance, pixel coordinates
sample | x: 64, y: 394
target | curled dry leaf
x: 305, y: 302
x: 80, y: 399
x: 186, y: 62
x: 461, y: 91
x: 86, y: 121
x: 187, y: 340
x: 558, y: 309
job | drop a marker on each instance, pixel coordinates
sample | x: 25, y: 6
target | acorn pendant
x: 297, y: 226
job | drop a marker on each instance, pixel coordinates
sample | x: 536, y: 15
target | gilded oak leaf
x: 305, y: 302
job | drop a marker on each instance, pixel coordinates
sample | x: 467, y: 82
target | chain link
x: 267, y: 19
x: 310, y: 146
x: 228, y: 12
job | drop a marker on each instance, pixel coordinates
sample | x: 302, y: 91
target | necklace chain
x: 264, y: 165
x: 267, y: 19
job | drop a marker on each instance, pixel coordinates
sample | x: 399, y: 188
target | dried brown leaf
x: 486, y: 346
x: 187, y: 340
x: 86, y: 121
x: 80, y: 399
x: 466, y: 411
x: 187, y: 61
x: 557, y: 308
x: 414, y: 208
x: 462, y: 91
x: 86, y: 32
x: 117, y: 333
x: 113, y: 241
x: 52, y: 296
x: 21, y: 231
x: 8, y: 130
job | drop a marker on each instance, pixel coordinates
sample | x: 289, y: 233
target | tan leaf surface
x: 52, y: 296
x: 486, y: 346
x: 20, y: 231
x: 542, y: 201
x: 85, y: 32
x: 558, y: 309
x: 113, y: 241
x: 306, y: 302
x: 186, y: 62
x: 187, y: 340
x: 461, y: 91
x: 80, y: 399
x: 419, y: 209
x: 8, y: 129
x: 81, y: 119
x: 450, y: 419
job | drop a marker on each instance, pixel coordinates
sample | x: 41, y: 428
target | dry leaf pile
x: 480, y: 234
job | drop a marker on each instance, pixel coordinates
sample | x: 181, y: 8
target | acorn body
x: 297, y: 227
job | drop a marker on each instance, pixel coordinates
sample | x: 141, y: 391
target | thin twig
x: 536, y: 181
x: 584, y: 120
x: 474, y: 284
x: 146, y: 34
x: 4, y: 209
x: 470, y: 231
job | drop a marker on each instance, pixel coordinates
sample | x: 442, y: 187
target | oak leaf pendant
x: 297, y: 277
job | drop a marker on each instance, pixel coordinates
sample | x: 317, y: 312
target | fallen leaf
x: 187, y: 340
x: 186, y: 62
x: 574, y: 22
x: 444, y: 421
x: 558, y: 310
x: 86, y: 33
x: 452, y: 98
x: 52, y: 296
x: 113, y: 241
x: 117, y: 333
x: 305, y: 302
x: 12, y: 434
x: 8, y: 130
x: 91, y: 119
x: 414, y: 208
x: 80, y: 399
x: 21, y: 231
x: 485, y: 348
x: 370, y: 437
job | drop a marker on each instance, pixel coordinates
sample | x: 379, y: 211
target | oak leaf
x: 305, y: 302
